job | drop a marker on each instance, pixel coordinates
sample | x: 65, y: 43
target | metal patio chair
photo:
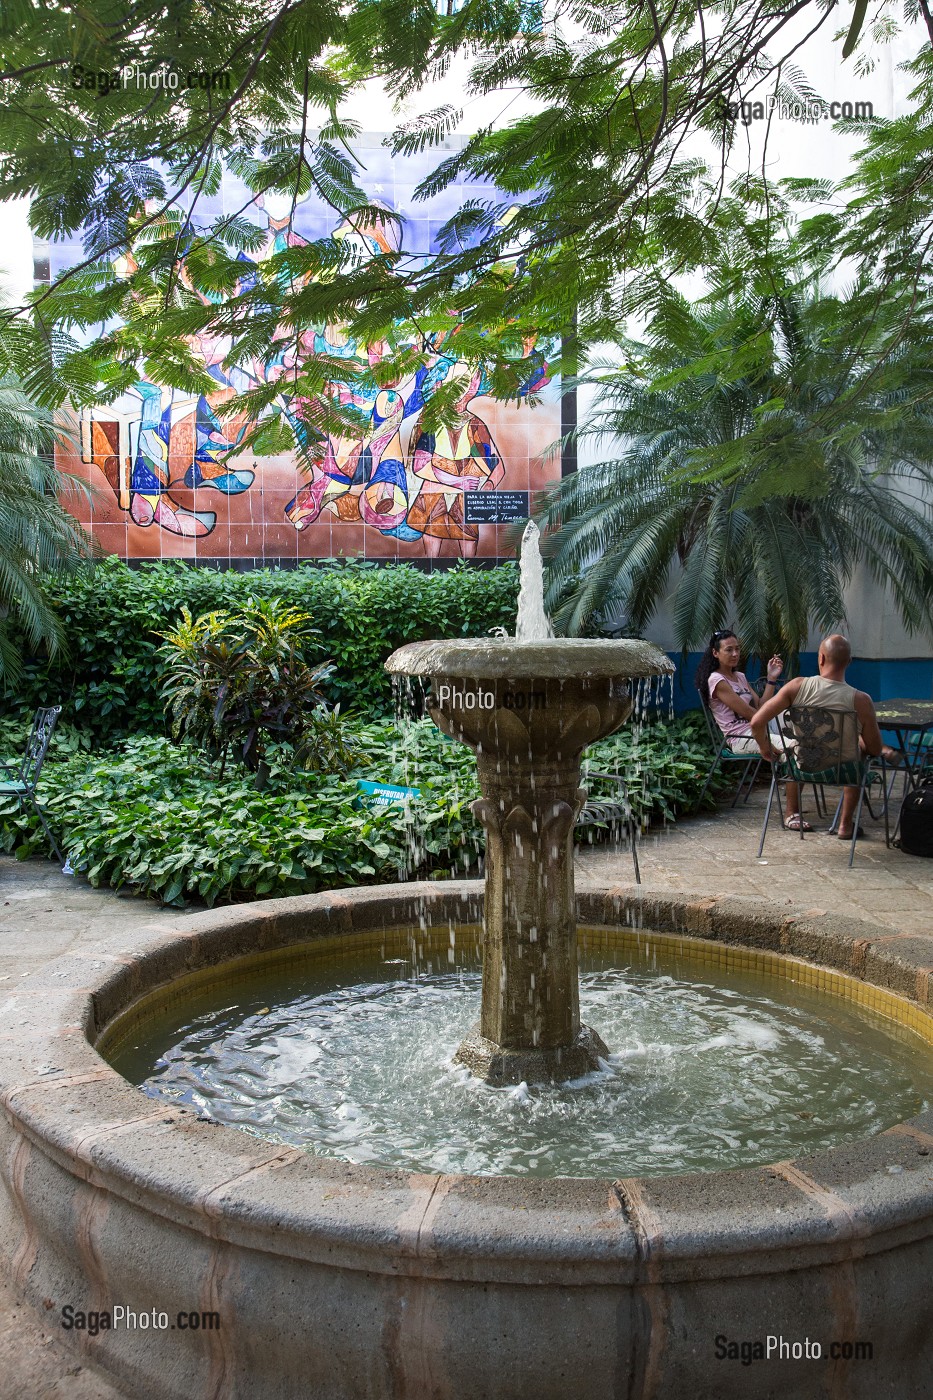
x: 20, y: 782
x: 819, y: 796
x: 752, y: 762
x: 892, y: 768
x: 816, y: 743
x: 611, y: 811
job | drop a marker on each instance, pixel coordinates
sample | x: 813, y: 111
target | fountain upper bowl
x: 505, y: 658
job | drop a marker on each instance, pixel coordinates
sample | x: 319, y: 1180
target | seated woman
x: 725, y: 691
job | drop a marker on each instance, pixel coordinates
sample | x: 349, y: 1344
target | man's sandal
x: 793, y: 823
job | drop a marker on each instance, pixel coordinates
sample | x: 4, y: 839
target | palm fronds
x: 765, y: 457
x: 38, y: 536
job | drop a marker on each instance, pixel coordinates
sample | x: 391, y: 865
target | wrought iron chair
x: 818, y: 745
x: 20, y: 782
x: 724, y: 754
x: 613, y: 811
x: 892, y: 768
x: 819, y: 796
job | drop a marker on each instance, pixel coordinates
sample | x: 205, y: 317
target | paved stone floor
x: 44, y: 914
x: 717, y: 855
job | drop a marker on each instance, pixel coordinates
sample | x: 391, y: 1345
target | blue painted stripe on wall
x: 910, y: 678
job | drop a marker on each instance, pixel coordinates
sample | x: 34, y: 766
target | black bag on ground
x: 917, y: 821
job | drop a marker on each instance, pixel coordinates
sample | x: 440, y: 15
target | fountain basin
x: 344, y: 1046
x: 343, y: 1281
x: 507, y: 658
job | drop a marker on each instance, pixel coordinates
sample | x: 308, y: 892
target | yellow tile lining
x: 702, y: 953
x: 433, y: 945
x: 421, y: 946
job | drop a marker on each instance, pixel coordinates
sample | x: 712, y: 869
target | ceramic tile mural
x: 166, y: 484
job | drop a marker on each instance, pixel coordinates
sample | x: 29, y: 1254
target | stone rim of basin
x: 563, y: 658
x: 293, y: 1244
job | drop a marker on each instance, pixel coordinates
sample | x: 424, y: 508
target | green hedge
x: 154, y: 815
x: 109, y: 681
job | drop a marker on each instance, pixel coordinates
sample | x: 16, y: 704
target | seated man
x: 828, y: 691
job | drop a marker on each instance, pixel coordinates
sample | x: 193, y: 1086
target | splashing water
x: 349, y: 1055
x: 532, y: 623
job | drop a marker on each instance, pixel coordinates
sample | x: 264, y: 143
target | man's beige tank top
x: 831, y: 695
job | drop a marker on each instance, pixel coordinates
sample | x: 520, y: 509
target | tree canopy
x: 118, y: 119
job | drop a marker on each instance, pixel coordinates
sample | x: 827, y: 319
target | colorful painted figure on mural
x: 204, y: 450
x: 358, y: 476
x: 460, y: 457
x: 150, y: 501
x: 373, y: 477
x: 174, y: 439
x: 397, y: 473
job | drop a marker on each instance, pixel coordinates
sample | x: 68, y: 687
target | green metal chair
x: 611, y: 812
x: 21, y: 782
x: 751, y: 762
x: 818, y: 744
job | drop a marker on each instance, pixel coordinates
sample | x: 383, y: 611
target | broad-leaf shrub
x: 154, y: 815
x: 110, y: 680
x: 662, y: 763
x: 240, y: 678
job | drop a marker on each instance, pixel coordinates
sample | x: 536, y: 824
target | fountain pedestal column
x: 529, y: 736
x: 528, y: 709
x: 530, y: 1020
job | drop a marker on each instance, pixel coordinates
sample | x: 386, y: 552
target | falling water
x: 347, y: 1052
x: 415, y: 815
x: 532, y: 623
x: 404, y: 768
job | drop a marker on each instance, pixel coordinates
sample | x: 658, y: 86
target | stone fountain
x: 366, y: 1281
x: 528, y: 706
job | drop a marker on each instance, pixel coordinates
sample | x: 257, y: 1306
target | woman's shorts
x: 744, y: 743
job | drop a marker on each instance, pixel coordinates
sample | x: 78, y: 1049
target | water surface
x: 353, y: 1058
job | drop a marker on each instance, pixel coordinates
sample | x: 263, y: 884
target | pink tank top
x: 729, y: 722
